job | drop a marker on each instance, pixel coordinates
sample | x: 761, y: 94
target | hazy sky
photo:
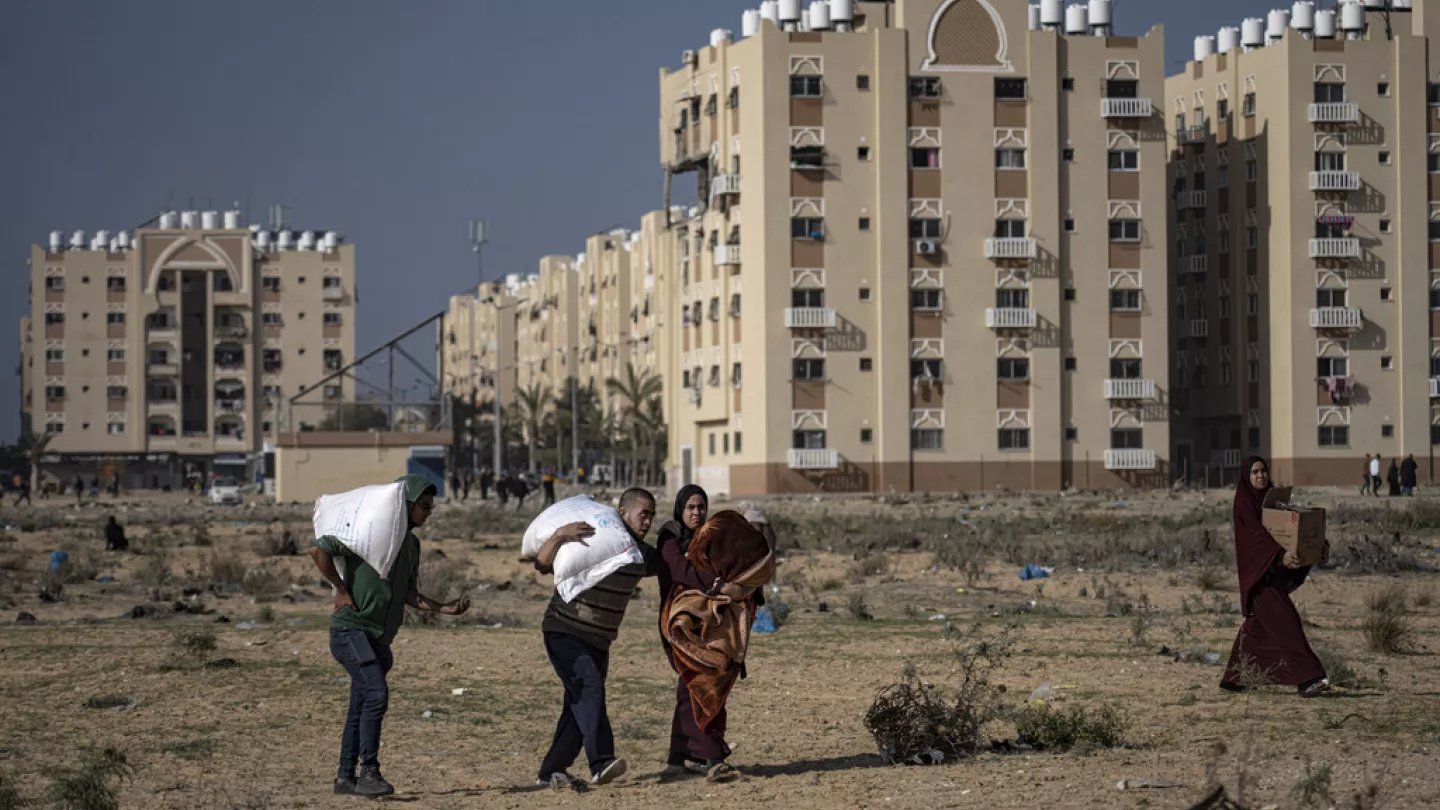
x: 392, y: 122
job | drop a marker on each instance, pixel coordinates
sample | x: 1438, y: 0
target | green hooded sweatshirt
x: 379, y: 602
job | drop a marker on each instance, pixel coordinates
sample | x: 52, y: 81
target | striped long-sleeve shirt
x: 595, y: 615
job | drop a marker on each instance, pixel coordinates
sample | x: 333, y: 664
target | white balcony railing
x: 1010, y: 248
x: 727, y: 254
x: 1199, y: 329
x: 1010, y: 318
x: 1434, y: 388
x: 693, y: 395
x: 161, y: 442
x: 1129, y: 459
x: 1334, y: 113
x: 1126, y: 108
x: 333, y: 294
x: 162, y: 406
x: 163, y: 369
x: 1129, y: 389
x: 725, y: 184
x: 814, y: 459
x: 1336, y: 318
x: 167, y: 334
x: 1334, y: 181
x: 810, y: 318
x: 1348, y: 248
x: 231, y: 333
x: 1194, y: 264
x: 1190, y: 199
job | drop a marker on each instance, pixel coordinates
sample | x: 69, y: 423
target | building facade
x: 1305, y: 152
x: 176, y: 350
x: 905, y: 275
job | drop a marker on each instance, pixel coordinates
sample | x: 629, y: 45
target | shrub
x: 1389, y: 632
x: 858, y: 607
x: 1423, y: 597
x: 81, y: 567
x: 869, y: 565
x: 1389, y: 598
x: 52, y: 586
x: 10, y: 798
x: 264, y: 582
x: 155, y: 569
x: 1337, y: 669
x: 1070, y: 728
x: 194, y: 643
x: 92, y: 785
x: 1210, y: 579
x: 443, y: 579
x: 224, y: 568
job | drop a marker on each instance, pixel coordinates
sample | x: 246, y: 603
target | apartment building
x: 480, y: 341
x: 1304, y: 161
x: 905, y: 275
x: 176, y: 348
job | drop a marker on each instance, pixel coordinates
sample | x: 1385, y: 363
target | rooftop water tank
x: 123, y: 240
x: 1276, y: 23
x: 1204, y: 47
x: 307, y: 240
x: 1325, y: 24
x: 285, y: 240
x: 1352, y: 20
x: 1077, y: 20
x: 1101, y: 17
x: 262, y: 240
x: 102, y: 238
x: 232, y: 220
x: 189, y: 219
x: 1229, y: 39
x: 1034, y: 18
x: 77, y: 240
x: 330, y: 241
x: 718, y: 36
x: 842, y: 14
x: 1302, y: 16
x: 820, y: 16
x: 57, y: 241
x: 1252, y: 33
x: 1052, y: 13
x: 169, y: 220
x: 789, y: 12
x: 770, y: 10
x: 749, y: 23
x: 210, y: 220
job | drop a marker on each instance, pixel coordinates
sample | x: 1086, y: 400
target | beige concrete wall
x: 306, y: 473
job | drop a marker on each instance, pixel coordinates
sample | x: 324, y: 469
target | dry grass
x: 265, y: 581
x: 1389, y: 633
x: 1390, y: 598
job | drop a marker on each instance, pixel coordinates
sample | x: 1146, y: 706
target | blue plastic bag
x: 57, y: 559
x: 1033, y: 571
x: 764, y: 621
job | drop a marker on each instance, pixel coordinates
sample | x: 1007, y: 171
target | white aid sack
x: 579, y: 568
x: 369, y: 521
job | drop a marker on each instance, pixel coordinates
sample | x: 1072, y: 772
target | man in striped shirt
x: 577, y: 639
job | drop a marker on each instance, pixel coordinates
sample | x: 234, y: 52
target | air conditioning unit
x: 688, y: 58
x: 927, y: 247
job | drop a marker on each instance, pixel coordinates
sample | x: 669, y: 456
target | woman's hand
x: 1291, y: 561
x: 735, y: 593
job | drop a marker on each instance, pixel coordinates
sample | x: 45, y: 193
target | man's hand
x: 735, y: 593
x: 342, y: 599
x: 574, y: 533
x: 456, y: 608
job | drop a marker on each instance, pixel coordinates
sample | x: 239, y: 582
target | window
x: 270, y: 319
x: 1124, y: 160
x: 737, y: 441
x: 332, y: 360
x: 1069, y: 293
x: 714, y: 377
x: 864, y: 224
x: 714, y: 309
x: 54, y: 318
x: 55, y: 427
x: 1222, y: 109
x: 1224, y: 306
x: 1335, y: 162
x: 864, y: 293
x: 1127, y: 439
x: 115, y: 317
x: 925, y: 300
x: 1070, y: 364
x: 735, y: 375
x: 1384, y: 226
x: 927, y: 88
x: 1327, y: 230
x: 1331, y: 367
x: 1014, y: 439
x: 862, y: 154
x: 1009, y: 229
x: 1067, y: 155
x: 54, y: 392
x: 1122, y: 88
x: 1433, y: 162
x: 222, y: 283
x: 115, y: 356
x: 1125, y: 300
x: 330, y: 283
x: 270, y: 284
x: 115, y: 284
x: 1009, y: 159
x: 1126, y: 368
x: 1334, y: 435
x: 805, y: 86
x: 867, y: 364
x: 1012, y: 368
x: 1247, y: 107
x: 808, y: 369
x: 733, y: 100
x: 925, y: 157
x: 712, y: 105
x: 115, y: 428
x: 1384, y: 158
x: 1252, y: 238
x: 1432, y: 94
x: 862, y: 82
x: 166, y: 282
x: 1222, y: 177
x: 1070, y: 226
x: 734, y: 306
x: 924, y: 228
x: 1254, y: 371
x: 1329, y: 298
x: 866, y: 435
x: 807, y: 228
x: 332, y: 319
x: 54, y: 355
x: 54, y: 283
x: 1383, y: 89
x: 927, y: 439
x: 1072, y: 434
x: 1067, y: 84
x: 332, y: 392
x: 1010, y: 89
x: 685, y: 378
x: 1329, y: 93
x: 927, y: 369
x: 1012, y: 299
x: 1124, y: 230
x: 808, y: 440
x: 807, y: 299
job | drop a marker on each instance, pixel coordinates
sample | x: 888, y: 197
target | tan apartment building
x: 932, y: 253
x: 176, y: 349
x: 1305, y: 152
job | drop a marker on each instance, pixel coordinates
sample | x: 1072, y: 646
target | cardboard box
x: 1299, y: 531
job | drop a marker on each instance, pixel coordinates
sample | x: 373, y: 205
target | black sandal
x: 721, y: 771
x: 1230, y: 686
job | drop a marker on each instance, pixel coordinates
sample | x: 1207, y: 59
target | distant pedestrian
x: 1375, y: 475
x: 95, y: 488
x: 455, y: 485
x: 115, y: 485
x: 23, y: 493
x: 115, y: 536
x: 549, y: 483
x: 1392, y: 477
x: 79, y: 489
x: 1366, y: 481
x: 465, y: 486
x: 1407, y: 475
x: 518, y: 490
x: 487, y: 480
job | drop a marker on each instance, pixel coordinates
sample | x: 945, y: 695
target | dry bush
x: 1388, y: 598
x: 475, y: 520
x: 869, y: 565
x: 1211, y: 579
x: 154, y: 570
x: 1071, y: 728
x: 92, y: 786
x: 194, y: 643
x: 1424, y: 597
x: 12, y: 562
x: 265, y: 582
x: 442, y: 579
x: 224, y: 568
x: 1389, y: 633
x: 859, y: 608
x: 10, y: 798
x: 1338, y: 669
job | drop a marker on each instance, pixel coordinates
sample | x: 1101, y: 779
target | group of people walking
x: 1401, y: 476
x: 711, y: 571
x: 509, y: 486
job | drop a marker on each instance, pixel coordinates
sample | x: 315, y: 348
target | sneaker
x: 371, y: 783
x: 344, y: 786
x: 1315, y: 688
x: 557, y: 780
x: 610, y: 773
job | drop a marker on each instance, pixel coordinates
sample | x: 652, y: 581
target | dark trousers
x: 368, y: 662
x: 549, y: 494
x: 584, y: 722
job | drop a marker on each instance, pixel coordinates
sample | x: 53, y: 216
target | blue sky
x: 392, y: 122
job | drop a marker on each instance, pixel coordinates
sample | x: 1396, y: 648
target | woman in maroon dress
x: 1271, y: 641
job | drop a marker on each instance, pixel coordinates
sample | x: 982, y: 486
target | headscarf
x: 1255, y: 550
x: 681, y: 498
x: 415, y: 488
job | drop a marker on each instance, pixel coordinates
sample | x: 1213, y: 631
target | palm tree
x: 533, y: 400
x: 35, y: 445
x: 634, y: 389
x: 652, y: 431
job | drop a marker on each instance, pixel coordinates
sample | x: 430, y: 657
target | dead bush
x: 224, y: 568
x: 869, y: 565
x: 1388, y: 598
x: 154, y: 569
x: 92, y: 786
x: 859, y: 607
x: 1389, y: 633
x: 1211, y: 579
x: 265, y: 582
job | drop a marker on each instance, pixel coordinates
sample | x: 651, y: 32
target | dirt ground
x: 264, y: 733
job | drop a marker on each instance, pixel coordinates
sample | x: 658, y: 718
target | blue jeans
x: 583, y: 722
x: 368, y: 662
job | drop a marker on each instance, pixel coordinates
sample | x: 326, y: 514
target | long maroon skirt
x: 1273, y: 640
x: 689, y: 742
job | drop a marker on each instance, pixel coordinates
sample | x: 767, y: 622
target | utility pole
x: 479, y: 235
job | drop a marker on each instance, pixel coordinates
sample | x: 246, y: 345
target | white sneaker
x: 613, y: 771
x: 557, y: 780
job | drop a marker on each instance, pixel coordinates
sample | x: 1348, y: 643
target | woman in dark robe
x: 689, y: 743
x: 1271, y: 641
x: 1393, y: 478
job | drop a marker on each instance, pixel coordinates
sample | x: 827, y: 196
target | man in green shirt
x: 369, y: 610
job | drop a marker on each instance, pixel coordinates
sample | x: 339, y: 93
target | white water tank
x: 718, y: 36
x: 1204, y: 47
x: 262, y: 240
x: 820, y: 16
x: 232, y: 220
x: 189, y: 219
x: 102, y: 238
x: 1402, y: 5
x: 307, y: 240
x: 1101, y: 17
x: 1325, y: 24
x: 1034, y: 18
x: 1302, y: 16
x: 1252, y: 33
x: 770, y: 10
x: 1276, y: 23
x: 789, y: 11
x: 1229, y: 39
x: 168, y: 221
x: 285, y: 240
x: 1077, y: 20
x: 1352, y: 20
x: 210, y: 220
x: 123, y: 240
x: 330, y: 241
x: 842, y: 14
x: 77, y: 240
x: 57, y: 241
x: 749, y: 23
x: 1052, y: 13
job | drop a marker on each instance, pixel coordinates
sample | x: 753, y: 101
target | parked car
x: 225, y: 492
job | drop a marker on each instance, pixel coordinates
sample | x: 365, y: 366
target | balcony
x: 814, y: 459
x: 1434, y: 388
x: 163, y: 369
x: 1126, y: 108
x: 1120, y: 460
x: 1010, y: 248
x: 1346, y: 318
x: 1190, y: 135
x: 231, y: 333
x: 692, y: 395
x: 162, y: 406
x: 227, y: 441
x: 1334, y: 113
x: 1193, y: 264
x: 1130, y: 389
x: 162, y: 334
x: 725, y: 184
x: 1190, y: 199
x: 1198, y: 329
x: 727, y: 254
x: 230, y: 405
x: 161, y: 442
x: 810, y: 318
x: 1334, y: 181
x: 1010, y: 318
x: 1348, y: 248
x: 333, y: 294
x: 649, y: 282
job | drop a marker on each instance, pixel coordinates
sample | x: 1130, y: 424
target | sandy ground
x: 264, y: 734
